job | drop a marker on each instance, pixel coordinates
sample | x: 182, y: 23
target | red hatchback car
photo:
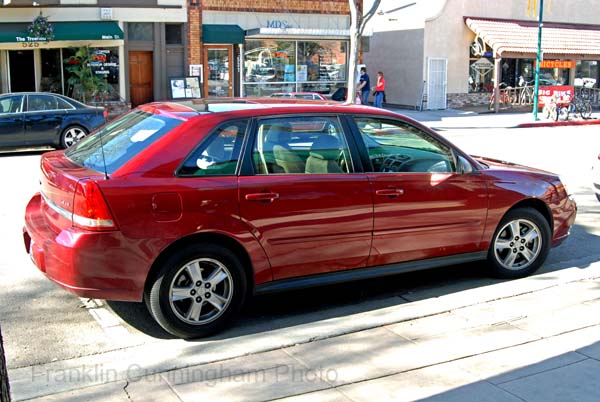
x: 193, y: 206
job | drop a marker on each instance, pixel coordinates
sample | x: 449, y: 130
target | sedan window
x: 39, y: 103
x: 219, y: 154
x: 399, y: 147
x: 11, y: 104
x: 307, y: 145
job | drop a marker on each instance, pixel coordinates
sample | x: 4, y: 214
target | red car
x: 299, y: 95
x: 193, y: 206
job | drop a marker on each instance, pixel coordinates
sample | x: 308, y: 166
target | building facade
x: 134, y: 45
x: 452, y: 53
x: 260, y: 47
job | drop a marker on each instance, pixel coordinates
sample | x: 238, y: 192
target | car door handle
x: 262, y: 197
x: 389, y: 192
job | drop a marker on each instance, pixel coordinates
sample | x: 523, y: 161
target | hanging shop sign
x: 557, y: 64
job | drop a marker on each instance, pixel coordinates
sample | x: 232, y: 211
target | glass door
x: 217, y: 71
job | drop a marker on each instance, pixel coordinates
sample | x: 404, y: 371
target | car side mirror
x: 463, y: 165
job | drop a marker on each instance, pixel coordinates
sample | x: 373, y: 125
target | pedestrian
x: 379, y: 89
x: 364, y: 86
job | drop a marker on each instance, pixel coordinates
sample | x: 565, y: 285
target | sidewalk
x: 483, y: 118
x: 535, y: 339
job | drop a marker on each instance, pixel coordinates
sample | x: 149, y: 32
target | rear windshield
x: 120, y: 140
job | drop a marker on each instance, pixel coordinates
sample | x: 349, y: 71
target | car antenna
x: 101, y: 134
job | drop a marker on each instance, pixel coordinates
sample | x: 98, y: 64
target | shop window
x: 51, y: 80
x: 270, y: 61
x: 322, y: 61
x: 586, y: 73
x: 140, y: 31
x: 104, y: 64
x: 481, y: 75
x: 173, y: 34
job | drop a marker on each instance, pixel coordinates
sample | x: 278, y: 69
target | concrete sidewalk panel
x: 559, y: 321
x: 154, y: 389
x: 577, y: 382
x: 326, y: 395
x: 111, y: 392
x: 519, y: 361
x: 443, y: 383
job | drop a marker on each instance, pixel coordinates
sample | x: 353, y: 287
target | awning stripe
x: 513, y: 36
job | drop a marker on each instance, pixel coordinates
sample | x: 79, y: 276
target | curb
x: 559, y: 123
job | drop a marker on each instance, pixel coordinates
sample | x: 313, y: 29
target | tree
x: 4, y: 387
x: 358, y: 22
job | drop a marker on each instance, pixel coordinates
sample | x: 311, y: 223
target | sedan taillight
x: 90, y: 210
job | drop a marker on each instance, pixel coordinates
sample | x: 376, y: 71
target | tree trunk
x: 4, y: 387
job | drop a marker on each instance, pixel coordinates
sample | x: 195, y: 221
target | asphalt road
x: 42, y: 323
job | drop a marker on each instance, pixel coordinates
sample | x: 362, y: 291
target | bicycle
x: 578, y: 105
x: 505, y: 98
x: 526, y: 95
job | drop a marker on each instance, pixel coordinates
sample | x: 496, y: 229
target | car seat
x: 323, y: 156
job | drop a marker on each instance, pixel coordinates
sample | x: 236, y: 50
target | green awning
x: 222, y: 34
x: 64, y: 31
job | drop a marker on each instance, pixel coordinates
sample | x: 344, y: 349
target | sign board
x: 557, y: 64
x: 561, y: 94
x: 185, y: 87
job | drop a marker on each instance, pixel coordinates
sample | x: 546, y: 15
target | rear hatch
x: 71, y: 195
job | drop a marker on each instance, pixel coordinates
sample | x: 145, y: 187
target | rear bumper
x: 98, y: 265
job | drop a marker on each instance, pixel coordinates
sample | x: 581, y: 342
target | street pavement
x: 467, y: 339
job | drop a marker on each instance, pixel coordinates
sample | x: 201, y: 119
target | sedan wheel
x: 71, y: 135
x: 197, y: 290
x: 520, y: 244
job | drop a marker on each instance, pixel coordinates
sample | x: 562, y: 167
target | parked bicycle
x: 577, y: 105
x: 526, y: 94
x: 506, y: 98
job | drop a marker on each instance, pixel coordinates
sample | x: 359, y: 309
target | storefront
x: 259, y: 54
x: 32, y: 63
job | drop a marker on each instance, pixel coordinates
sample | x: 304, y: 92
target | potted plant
x: 85, y: 82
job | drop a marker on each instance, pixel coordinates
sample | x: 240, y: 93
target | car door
x: 11, y: 120
x: 301, y: 198
x: 43, y: 119
x: 423, y: 208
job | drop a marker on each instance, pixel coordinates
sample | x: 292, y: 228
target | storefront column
x: 3, y: 72
x: 497, y: 78
x: 241, y: 67
x: 122, y: 68
x: 37, y: 63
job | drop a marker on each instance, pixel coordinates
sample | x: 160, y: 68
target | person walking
x: 379, y: 89
x: 364, y: 86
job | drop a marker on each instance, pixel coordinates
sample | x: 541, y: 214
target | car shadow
x: 282, y: 310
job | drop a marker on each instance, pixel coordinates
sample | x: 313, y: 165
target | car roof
x: 250, y: 106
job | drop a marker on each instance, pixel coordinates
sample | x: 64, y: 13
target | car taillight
x: 90, y: 210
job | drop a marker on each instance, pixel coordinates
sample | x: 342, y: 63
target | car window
x: 40, y: 103
x: 121, y: 140
x: 305, y: 145
x: 63, y: 104
x: 399, y: 147
x: 219, y: 154
x: 11, y: 104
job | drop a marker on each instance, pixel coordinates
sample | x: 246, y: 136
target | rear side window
x: 121, y: 140
x: 11, y: 104
x: 219, y: 154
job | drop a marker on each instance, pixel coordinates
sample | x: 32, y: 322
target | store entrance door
x: 22, y: 73
x: 218, y: 81
x: 141, y: 81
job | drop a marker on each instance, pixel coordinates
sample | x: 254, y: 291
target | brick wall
x: 194, y: 35
x: 279, y: 6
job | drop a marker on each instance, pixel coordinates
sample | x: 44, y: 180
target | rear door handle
x: 390, y: 192
x: 262, y: 197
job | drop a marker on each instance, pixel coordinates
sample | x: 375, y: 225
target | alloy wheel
x: 518, y: 244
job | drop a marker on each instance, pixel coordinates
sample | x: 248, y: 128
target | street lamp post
x: 539, y: 61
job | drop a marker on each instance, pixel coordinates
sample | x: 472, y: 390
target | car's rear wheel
x: 520, y: 244
x: 71, y: 135
x: 598, y: 196
x: 197, y: 290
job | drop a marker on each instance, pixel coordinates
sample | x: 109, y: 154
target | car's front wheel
x: 197, y: 290
x: 71, y: 135
x: 520, y: 244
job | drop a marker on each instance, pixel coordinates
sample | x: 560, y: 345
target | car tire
x: 598, y: 196
x: 183, y: 298
x: 520, y: 244
x: 71, y: 135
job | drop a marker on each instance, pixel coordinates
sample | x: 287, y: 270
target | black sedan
x: 38, y: 119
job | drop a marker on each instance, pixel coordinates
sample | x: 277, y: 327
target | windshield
x: 120, y: 140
